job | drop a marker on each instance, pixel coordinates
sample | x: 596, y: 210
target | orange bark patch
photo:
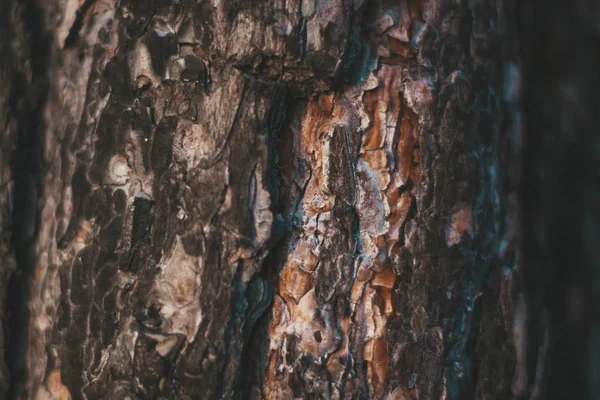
x: 377, y: 159
x: 385, y: 278
x: 304, y: 256
x: 362, y: 276
x: 405, y: 148
x: 461, y: 222
x: 401, y: 48
x: 55, y: 386
x: 280, y: 314
x: 415, y: 169
x: 295, y: 282
x: 376, y: 135
x: 386, y: 294
x: 376, y: 355
x: 400, y: 209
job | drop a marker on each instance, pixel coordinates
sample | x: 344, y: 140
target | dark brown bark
x: 275, y: 199
x: 24, y: 48
x: 7, y: 262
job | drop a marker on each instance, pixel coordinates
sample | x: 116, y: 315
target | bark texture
x: 276, y: 199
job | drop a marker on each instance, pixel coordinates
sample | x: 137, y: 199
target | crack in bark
x: 27, y: 99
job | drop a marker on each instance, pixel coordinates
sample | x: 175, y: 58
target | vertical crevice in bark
x: 26, y: 106
x: 256, y: 341
x: 256, y: 337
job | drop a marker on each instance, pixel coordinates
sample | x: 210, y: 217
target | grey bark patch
x: 369, y: 204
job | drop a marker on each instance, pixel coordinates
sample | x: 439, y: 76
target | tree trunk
x: 279, y: 199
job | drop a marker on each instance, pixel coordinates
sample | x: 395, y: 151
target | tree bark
x: 277, y: 199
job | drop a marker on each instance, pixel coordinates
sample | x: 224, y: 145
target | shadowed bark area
x: 7, y: 261
x: 24, y: 54
x: 280, y: 199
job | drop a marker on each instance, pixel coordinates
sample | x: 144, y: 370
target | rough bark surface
x: 390, y: 285
x: 7, y: 261
x: 275, y: 199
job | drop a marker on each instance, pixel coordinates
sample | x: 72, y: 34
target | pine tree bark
x: 276, y: 199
